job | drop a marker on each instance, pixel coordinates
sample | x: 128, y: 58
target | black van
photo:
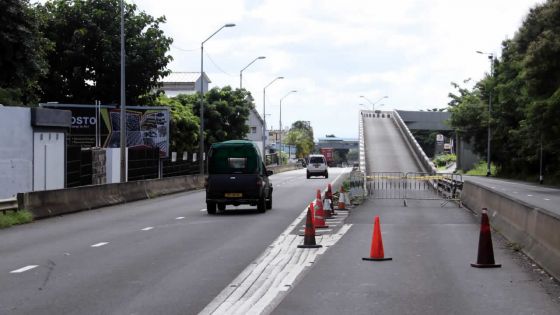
x: 237, y: 175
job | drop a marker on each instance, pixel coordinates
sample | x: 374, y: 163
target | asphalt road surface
x: 543, y: 197
x: 158, y: 256
x: 432, y: 248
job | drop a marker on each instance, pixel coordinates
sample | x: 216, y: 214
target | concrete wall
x: 535, y: 230
x: 16, y: 151
x: 50, y: 203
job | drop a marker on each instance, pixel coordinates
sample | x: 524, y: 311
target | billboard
x: 145, y: 126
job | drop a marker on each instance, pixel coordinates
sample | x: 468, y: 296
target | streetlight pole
x: 241, y: 72
x: 491, y: 58
x: 264, y: 117
x: 201, y: 129
x: 280, y: 122
x: 373, y: 103
x: 123, y: 100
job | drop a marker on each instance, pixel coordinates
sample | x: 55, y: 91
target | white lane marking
x: 267, y: 280
x: 529, y: 195
x: 202, y: 210
x: 493, y: 187
x: 515, y: 192
x: 319, y: 230
x: 147, y: 228
x: 179, y: 218
x: 100, y: 244
x: 24, y: 269
x: 546, y: 199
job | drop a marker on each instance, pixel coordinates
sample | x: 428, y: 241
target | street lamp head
x: 261, y: 57
x: 294, y: 91
x: 280, y: 78
x: 229, y: 25
x: 479, y: 52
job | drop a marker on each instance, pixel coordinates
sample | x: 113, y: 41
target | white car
x: 317, y: 166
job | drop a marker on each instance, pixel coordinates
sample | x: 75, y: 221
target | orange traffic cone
x: 319, y: 221
x: 485, y: 257
x: 309, y: 236
x: 329, y: 195
x: 327, y: 206
x: 341, y: 199
x: 376, y: 252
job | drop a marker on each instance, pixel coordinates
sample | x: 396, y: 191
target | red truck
x: 329, y: 155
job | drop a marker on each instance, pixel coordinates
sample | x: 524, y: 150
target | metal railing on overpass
x: 415, y: 186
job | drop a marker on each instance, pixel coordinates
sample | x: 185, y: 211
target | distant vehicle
x: 301, y: 162
x: 237, y: 175
x: 329, y: 155
x: 317, y: 166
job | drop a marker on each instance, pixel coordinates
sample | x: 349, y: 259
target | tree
x: 85, y: 63
x: 301, y: 135
x: 22, y: 57
x: 226, y: 112
x: 525, y: 89
x: 183, y: 128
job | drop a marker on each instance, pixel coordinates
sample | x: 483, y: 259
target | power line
x: 215, y: 65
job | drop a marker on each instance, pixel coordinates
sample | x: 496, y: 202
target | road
x: 432, y: 248
x: 543, y: 197
x: 158, y: 256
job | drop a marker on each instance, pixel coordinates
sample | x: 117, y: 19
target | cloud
x: 334, y: 51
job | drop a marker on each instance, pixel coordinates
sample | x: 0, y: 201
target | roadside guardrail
x: 9, y: 204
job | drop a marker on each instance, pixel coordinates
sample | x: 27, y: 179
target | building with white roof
x: 184, y: 83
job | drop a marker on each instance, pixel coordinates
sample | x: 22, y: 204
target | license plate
x: 233, y: 195
x: 316, y: 165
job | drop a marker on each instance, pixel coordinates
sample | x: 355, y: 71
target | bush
x: 15, y: 218
x: 444, y: 159
x: 481, y: 168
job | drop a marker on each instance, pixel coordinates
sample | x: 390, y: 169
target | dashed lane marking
x: 179, y: 218
x: 202, y: 210
x: 24, y: 269
x: 100, y: 244
x: 147, y: 228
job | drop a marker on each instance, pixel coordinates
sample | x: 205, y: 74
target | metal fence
x: 415, y: 186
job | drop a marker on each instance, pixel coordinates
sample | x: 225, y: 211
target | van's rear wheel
x: 269, y: 203
x: 211, y: 207
x: 261, y: 205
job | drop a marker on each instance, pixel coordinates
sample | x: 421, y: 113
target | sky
x: 334, y: 51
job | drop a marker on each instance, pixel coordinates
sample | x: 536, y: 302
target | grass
x: 480, y: 169
x: 14, y: 218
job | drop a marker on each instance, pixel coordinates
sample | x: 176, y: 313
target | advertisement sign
x: 145, y: 126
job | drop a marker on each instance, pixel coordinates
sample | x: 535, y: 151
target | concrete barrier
x: 50, y: 203
x: 282, y: 168
x: 535, y: 230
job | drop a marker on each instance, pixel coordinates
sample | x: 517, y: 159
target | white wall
x: 16, y: 151
x: 48, y: 160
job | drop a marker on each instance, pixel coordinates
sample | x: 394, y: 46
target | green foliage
x: 524, y: 88
x: 85, y: 61
x: 301, y: 135
x: 14, y: 218
x: 444, y: 159
x: 183, y: 128
x: 226, y: 112
x: 22, y: 57
x: 481, y: 169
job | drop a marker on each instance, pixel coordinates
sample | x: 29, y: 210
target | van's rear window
x: 234, y: 159
x: 316, y: 160
x: 237, y: 163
